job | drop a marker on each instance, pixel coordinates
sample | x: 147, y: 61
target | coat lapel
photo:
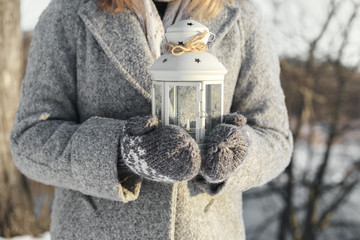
x: 122, y: 39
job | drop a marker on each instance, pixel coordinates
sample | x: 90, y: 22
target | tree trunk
x: 16, y: 207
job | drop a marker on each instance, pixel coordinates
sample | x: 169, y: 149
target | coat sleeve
x: 47, y: 142
x: 258, y: 96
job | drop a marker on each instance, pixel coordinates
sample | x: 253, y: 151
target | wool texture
x: 154, y: 27
x: 227, y: 148
x: 130, y: 182
x: 87, y: 73
x: 166, y: 154
x: 137, y: 126
x: 235, y: 119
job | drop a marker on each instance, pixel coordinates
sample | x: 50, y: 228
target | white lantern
x: 188, y: 90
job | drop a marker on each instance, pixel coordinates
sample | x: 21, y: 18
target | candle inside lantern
x: 187, y: 126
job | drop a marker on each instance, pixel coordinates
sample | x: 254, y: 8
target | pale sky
x: 30, y: 12
x: 293, y: 25
x: 297, y: 22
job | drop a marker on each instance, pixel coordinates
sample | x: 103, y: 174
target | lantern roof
x: 187, y: 26
x: 183, y: 31
x: 191, y: 66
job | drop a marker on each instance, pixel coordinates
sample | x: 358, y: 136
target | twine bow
x: 193, y: 45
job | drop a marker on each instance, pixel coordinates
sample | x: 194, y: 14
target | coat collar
x: 122, y: 39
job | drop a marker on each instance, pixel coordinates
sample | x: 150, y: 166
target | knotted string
x: 193, y: 45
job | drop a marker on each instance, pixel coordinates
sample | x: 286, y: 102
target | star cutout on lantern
x: 197, y: 60
x: 165, y: 60
x: 190, y: 24
x: 181, y: 43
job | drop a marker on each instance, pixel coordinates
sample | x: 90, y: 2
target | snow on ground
x: 45, y: 236
x: 264, y: 210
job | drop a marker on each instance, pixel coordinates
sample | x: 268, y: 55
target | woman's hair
x: 205, y: 9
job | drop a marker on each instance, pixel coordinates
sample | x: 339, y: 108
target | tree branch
x: 342, y: 197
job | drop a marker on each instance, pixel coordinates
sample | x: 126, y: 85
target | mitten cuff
x: 129, y: 182
x: 137, y: 126
x: 235, y: 119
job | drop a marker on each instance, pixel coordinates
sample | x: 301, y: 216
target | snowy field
x: 45, y: 236
x: 261, y: 214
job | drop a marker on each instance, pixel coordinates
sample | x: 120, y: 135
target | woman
x: 80, y: 124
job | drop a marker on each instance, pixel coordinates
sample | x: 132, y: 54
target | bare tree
x: 16, y: 207
x: 312, y: 222
x: 308, y: 217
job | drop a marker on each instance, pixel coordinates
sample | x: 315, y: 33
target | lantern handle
x: 212, y: 37
x: 203, y: 114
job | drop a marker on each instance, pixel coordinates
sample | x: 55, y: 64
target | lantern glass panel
x: 182, y: 108
x: 213, y: 107
x: 157, y: 101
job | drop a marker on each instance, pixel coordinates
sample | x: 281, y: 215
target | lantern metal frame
x: 197, y: 69
x: 201, y: 101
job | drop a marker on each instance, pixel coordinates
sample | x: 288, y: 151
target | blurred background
x: 317, y: 197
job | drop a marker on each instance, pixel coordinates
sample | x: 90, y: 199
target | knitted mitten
x: 137, y: 126
x: 164, y: 154
x: 227, y: 147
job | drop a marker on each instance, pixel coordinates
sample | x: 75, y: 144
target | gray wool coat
x: 87, y: 74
